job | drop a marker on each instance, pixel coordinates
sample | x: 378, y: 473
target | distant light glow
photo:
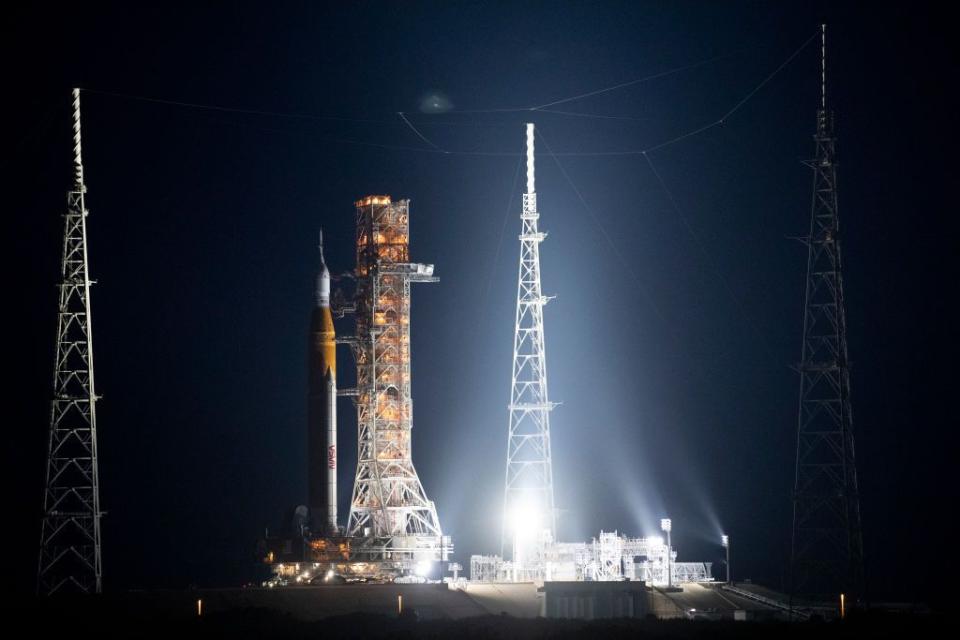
x: 435, y: 102
x: 666, y: 525
x: 725, y: 540
x: 423, y: 568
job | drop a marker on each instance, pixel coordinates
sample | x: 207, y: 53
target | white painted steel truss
x: 529, y: 475
x: 70, y: 531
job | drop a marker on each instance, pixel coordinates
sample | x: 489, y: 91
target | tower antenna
x: 70, y: 530
x: 528, y: 489
x: 827, y: 543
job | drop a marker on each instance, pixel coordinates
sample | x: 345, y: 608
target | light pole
x: 666, y: 525
x: 725, y: 541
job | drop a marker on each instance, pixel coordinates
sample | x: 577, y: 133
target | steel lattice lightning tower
x: 389, y: 502
x: 528, y: 495
x: 827, y: 546
x: 70, y: 531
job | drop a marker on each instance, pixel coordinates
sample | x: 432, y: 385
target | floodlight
x: 526, y: 521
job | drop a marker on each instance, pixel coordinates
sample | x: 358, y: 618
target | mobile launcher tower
x: 389, y: 509
x: 393, y: 529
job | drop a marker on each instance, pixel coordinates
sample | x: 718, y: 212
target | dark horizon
x: 679, y: 289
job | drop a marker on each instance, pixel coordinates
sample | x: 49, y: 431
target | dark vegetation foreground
x: 111, y: 617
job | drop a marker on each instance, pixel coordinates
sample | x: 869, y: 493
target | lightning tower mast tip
x: 823, y: 67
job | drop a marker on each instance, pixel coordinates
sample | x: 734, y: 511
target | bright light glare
x: 725, y: 540
x: 423, y: 568
x: 666, y: 525
x: 525, y: 521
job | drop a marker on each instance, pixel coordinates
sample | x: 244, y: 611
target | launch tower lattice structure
x: 528, y: 490
x: 827, y: 546
x: 70, y: 531
x: 389, y: 503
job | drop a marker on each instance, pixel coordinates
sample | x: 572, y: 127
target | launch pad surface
x: 441, y: 601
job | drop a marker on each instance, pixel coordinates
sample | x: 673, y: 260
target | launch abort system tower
x: 389, y: 507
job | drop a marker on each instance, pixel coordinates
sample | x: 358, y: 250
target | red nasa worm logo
x: 332, y: 456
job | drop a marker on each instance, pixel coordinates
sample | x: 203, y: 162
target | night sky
x: 678, y: 309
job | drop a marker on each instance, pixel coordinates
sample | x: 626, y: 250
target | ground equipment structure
x: 389, y: 506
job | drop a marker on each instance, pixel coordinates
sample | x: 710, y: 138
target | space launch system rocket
x: 322, y: 409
